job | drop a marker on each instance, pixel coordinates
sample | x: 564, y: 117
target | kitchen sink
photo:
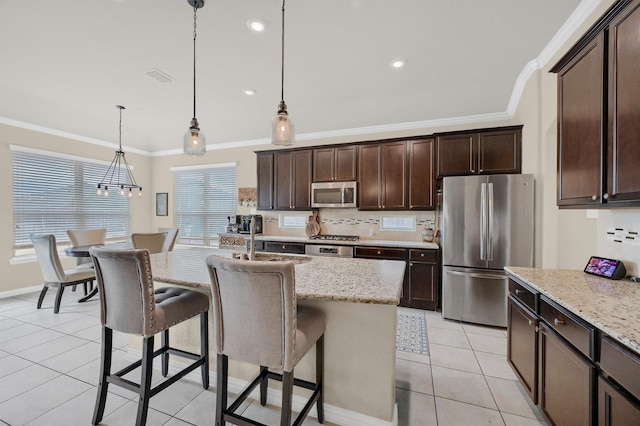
x: 273, y: 257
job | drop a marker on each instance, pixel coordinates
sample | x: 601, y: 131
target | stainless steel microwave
x: 334, y: 194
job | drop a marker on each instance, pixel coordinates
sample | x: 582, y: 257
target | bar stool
x: 128, y: 304
x: 256, y: 320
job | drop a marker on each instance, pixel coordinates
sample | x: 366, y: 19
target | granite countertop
x: 319, y: 278
x: 360, y: 242
x: 610, y: 305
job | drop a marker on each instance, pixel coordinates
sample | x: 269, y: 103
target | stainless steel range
x: 330, y: 249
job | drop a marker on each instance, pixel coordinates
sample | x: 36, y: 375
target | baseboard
x: 19, y: 291
x: 332, y: 413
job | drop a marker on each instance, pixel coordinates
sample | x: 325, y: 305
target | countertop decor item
x: 194, y: 140
x: 282, y: 129
x: 427, y: 234
x: 313, y: 226
x: 119, y: 175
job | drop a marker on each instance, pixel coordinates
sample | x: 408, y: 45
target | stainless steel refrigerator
x: 487, y: 223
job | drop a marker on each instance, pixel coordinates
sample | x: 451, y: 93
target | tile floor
x: 49, y: 365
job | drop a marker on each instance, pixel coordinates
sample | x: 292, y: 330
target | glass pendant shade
x: 194, y: 141
x: 283, y: 131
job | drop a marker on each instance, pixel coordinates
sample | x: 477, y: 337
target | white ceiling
x: 67, y: 63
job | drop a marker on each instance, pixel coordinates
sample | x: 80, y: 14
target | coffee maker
x: 235, y: 224
x: 245, y: 224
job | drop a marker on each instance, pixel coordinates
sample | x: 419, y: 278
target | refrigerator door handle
x: 490, y: 223
x: 473, y: 275
x: 483, y: 221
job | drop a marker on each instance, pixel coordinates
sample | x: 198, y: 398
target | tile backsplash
x: 618, y: 232
x: 365, y: 224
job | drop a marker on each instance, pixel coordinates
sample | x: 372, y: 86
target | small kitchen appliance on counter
x: 241, y: 224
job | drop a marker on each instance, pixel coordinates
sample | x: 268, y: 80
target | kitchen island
x: 359, y: 298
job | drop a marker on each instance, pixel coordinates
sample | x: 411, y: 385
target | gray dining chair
x: 170, y: 241
x: 53, y: 273
x: 86, y: 237
x: 256, y: 320
x: 129, y: 304
x: 155, y: 242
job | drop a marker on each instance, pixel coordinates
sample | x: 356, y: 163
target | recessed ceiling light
x: 256, y: 25
x: 249, y: 92
x: 396, y: 64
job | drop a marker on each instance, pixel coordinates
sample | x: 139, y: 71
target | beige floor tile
x: 486, y: 331
x: 456, y: 358
x: 126, y: 415
x: 415, y: 409
x: 270, y: 415
x: 462, y: 386
x: 510, y: 397
x: 513, y: 420
x: 414, y: 376
x: 495, y: 365
x: 447, y: 337
x: 453, y: 413
x: 434, y: 319
x: 491, y: 344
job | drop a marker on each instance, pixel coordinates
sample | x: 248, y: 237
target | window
x: 292, y: 221
x: 55, y: 192
x: 204, y: 199
x: 398, y: 223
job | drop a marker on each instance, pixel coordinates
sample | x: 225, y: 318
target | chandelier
x: 119, y: 174
x: 194, y: 139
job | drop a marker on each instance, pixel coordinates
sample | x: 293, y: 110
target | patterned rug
x: 411, y: 334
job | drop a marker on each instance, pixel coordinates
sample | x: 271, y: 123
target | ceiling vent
x: 158, y: 75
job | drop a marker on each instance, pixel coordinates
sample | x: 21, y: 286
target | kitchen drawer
x: 575, y: 331
x: 280, y: 247
x: 381, y: 253
x: 429, y: 256
x: 523, y: 294
x: 621, y: 364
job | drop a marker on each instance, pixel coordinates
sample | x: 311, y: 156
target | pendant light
x: 194, y: 139
x: 282, y: 128
x: 119, y: 174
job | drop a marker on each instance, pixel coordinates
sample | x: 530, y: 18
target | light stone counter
x: 359, y: 298
x: 609, y: 305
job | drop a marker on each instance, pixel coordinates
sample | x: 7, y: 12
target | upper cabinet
x: 421, y: 174
x: 599, y: 113
x: 292, y: 179
x: 335, y: 164
x: 487, y: 151
x: 382, y: 176
x: 264, y: 167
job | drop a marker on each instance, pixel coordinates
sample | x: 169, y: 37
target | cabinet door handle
x: 594, y: 197
x: 284, y: 247
x: 605, y: 196
x: 410, y: 263
x: 530, y: 322
x: 557, y: 321
x: 518, y: 291
x: 379, y: 252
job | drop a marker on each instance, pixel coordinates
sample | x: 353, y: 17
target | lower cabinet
x: 522, y: 346
x: 615, y: 408
x: 566, y: 381
x: 280, y: 247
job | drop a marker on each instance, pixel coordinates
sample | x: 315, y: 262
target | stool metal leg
x: 165, y: 356
x: 204, y: 347
x: 42, y: 294
x: 145, y: 381
x: 320, y: 377
x: 222, y: 372
x: 264, y: 385
x: 105, y: 371
x: 56, y: 306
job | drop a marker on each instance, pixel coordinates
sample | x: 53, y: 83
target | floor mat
x: 411, y: 334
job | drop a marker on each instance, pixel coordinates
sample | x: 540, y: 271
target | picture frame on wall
x: 162, y: 204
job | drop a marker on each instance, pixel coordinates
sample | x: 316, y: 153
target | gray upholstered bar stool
x: 256, y: 320
x: 128, y: 304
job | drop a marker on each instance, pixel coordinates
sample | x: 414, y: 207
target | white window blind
x: 204, y: 198
x: 53, y: 193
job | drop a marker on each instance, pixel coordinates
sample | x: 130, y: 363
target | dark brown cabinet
x: 382, y: 176
x: 265, y: 180
x: 615, y: 408
x: 566, y: 381
x: 486, y: 151
x: 280, y: 247
x: 599, y: 115
x: 522, y: 346
x: 335, y: 164
x: 292, y: 179
x: 421, y: 174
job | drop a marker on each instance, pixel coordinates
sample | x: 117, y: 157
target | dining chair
x: 155, y: 242
x: 256, y: 320
x: 130, y: 304
x: 53, y: 273
x: 170, y: 241
x: 86, y: 237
